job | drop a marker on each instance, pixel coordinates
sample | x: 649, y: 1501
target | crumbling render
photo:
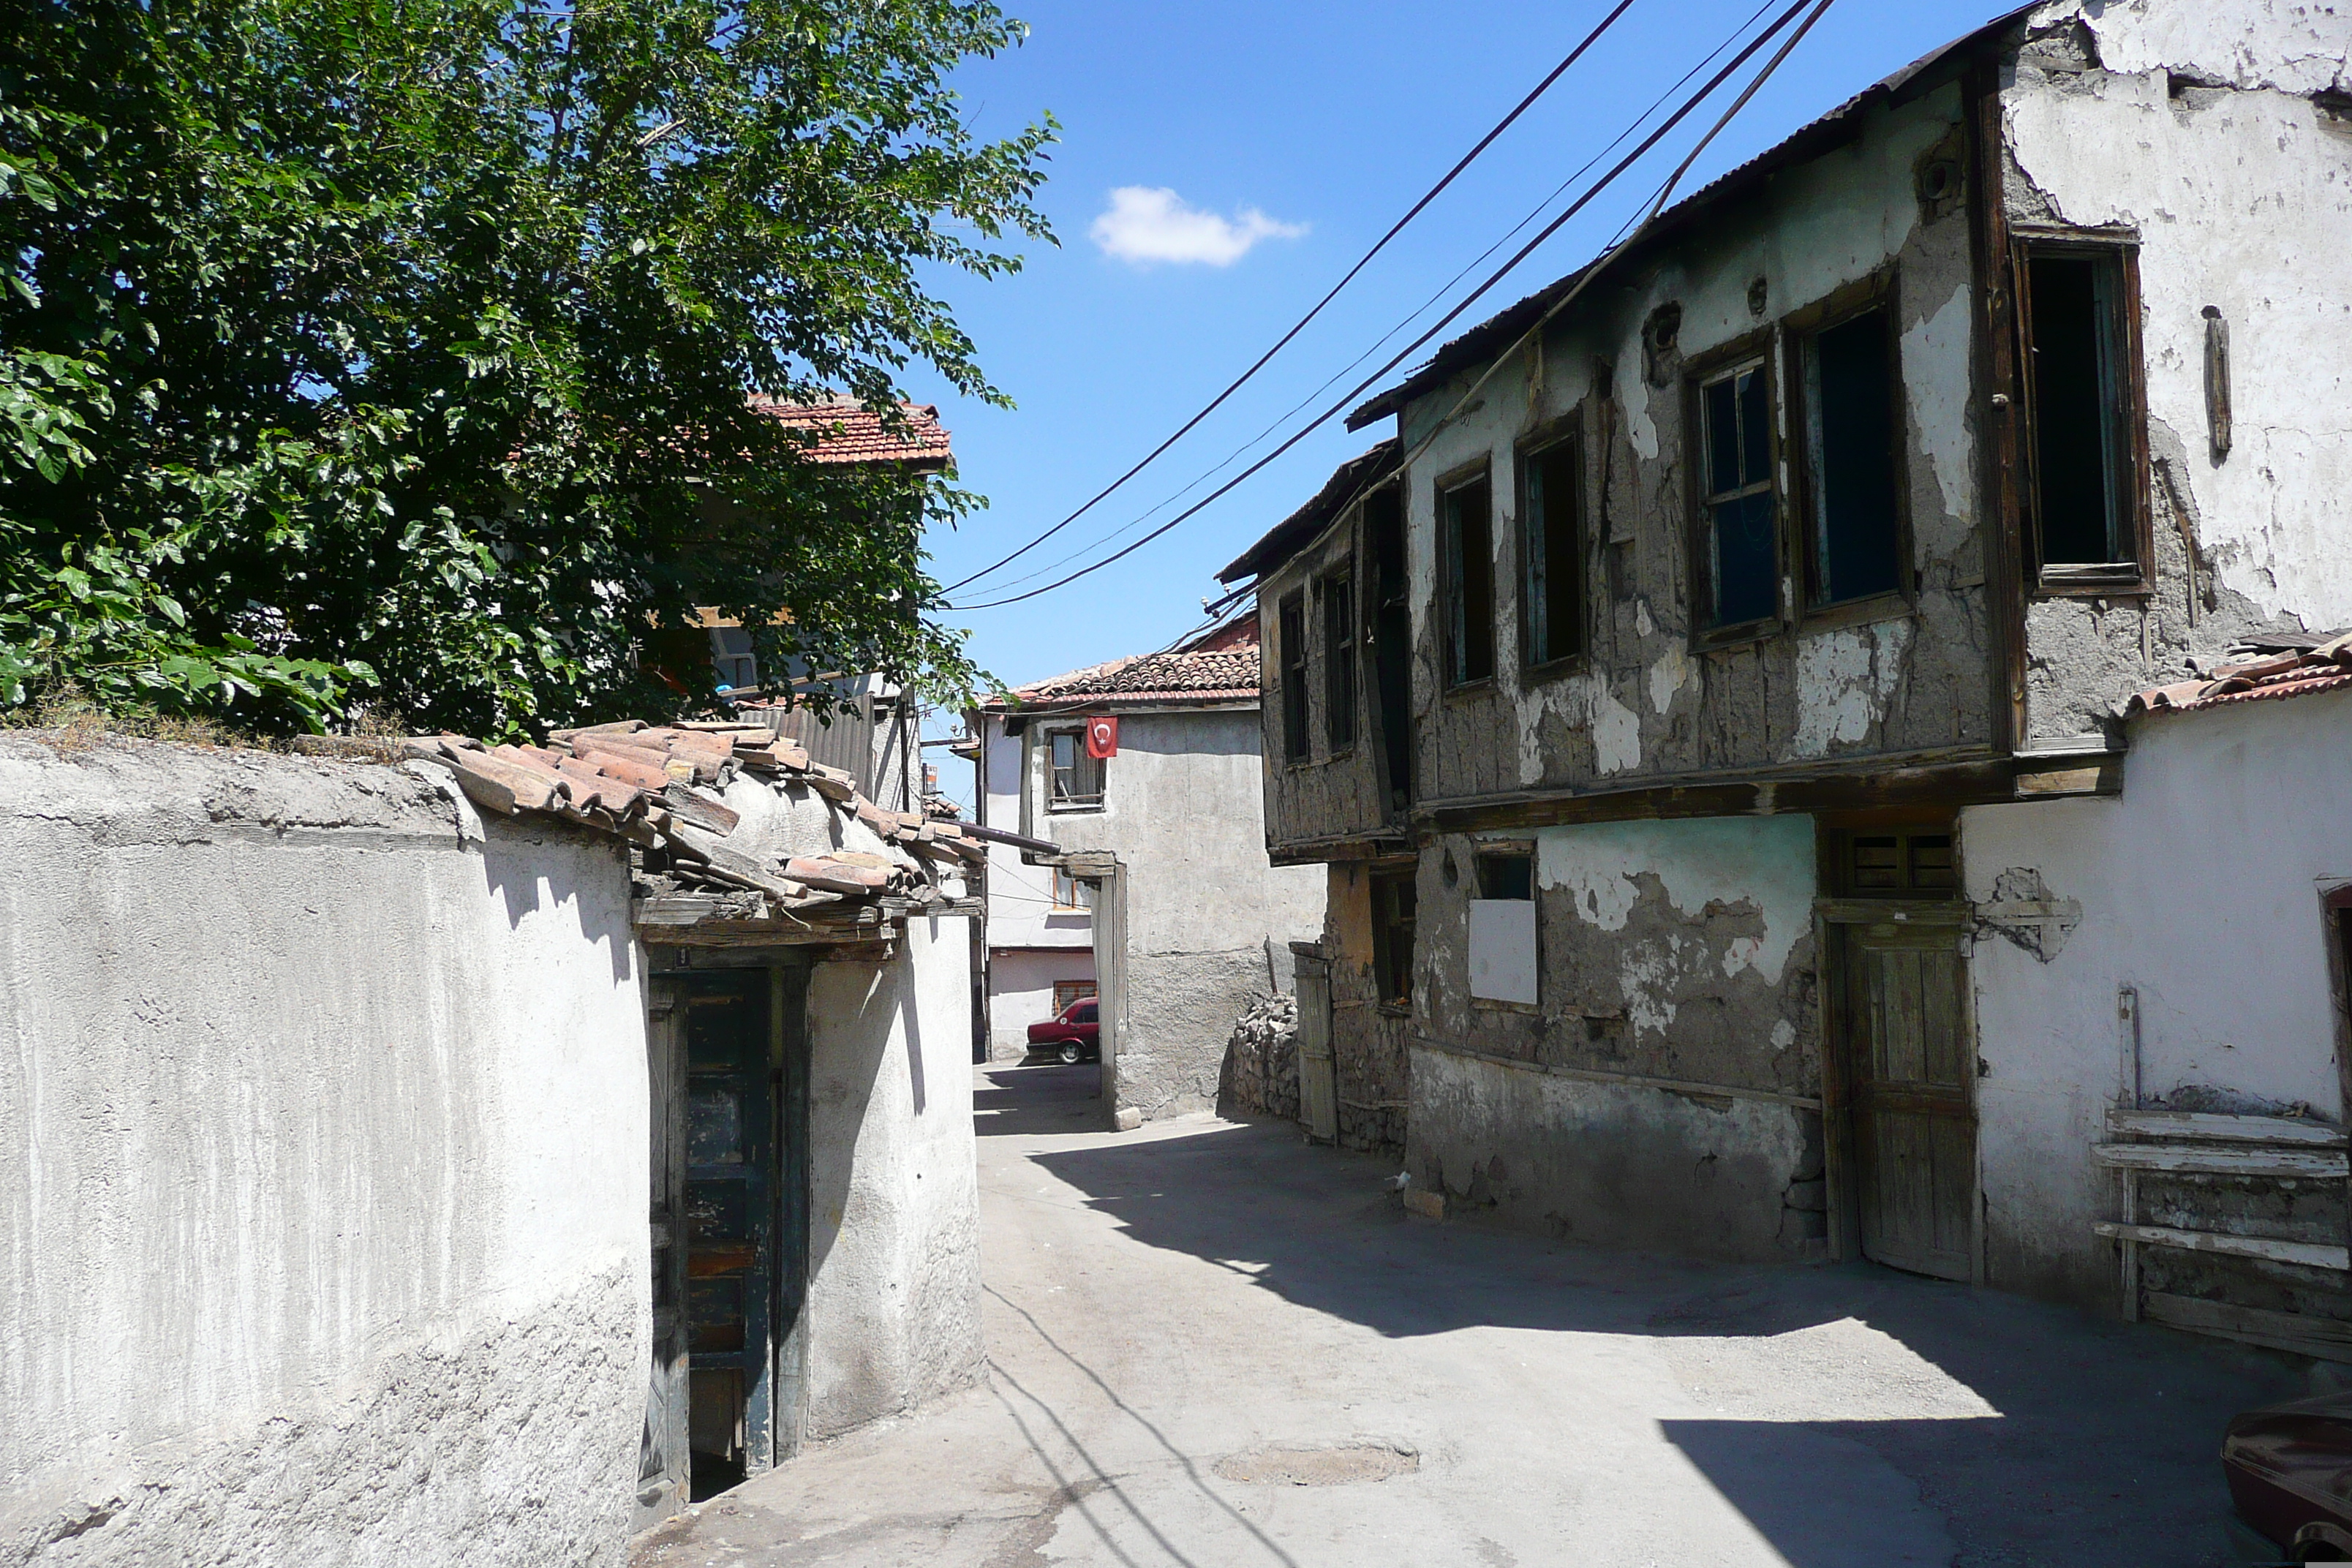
x: 2024, y: 910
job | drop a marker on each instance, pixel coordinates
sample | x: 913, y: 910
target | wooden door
x: 1914, y: 1127
x: 732, y: 1211
x: 1318, y: 1088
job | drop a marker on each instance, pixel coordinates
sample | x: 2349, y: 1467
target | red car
x: 2290, y: 1472
x: 1073, y: 1033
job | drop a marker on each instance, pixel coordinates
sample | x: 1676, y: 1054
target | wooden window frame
x: 1080, y: 893
x: 1339, y: 633
x: 1383, y: 955
x: 1479, y: 470
x: 1075, y: 802
x: 1290, y: 648
x: 2026, y: 242
x: 1799, y: 329
x: 1540, y: 443
x: 1758, y: 349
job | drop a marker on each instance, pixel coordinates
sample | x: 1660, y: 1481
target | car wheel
x: 1069, y: 1053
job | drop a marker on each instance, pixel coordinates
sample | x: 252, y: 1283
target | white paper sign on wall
x: 1502, y: 950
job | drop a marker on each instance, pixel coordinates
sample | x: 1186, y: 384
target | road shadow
x: 2094, y: 1440
x: 1010, y: 1098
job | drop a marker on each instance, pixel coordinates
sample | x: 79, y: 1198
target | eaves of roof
x: 1293, y: 532
x: 2298, y: 672
x: 1498, y: 332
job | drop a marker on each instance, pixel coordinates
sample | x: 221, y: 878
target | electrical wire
x: 1378, y: 246
x: 1494, y: 277
x: 1411, y: 316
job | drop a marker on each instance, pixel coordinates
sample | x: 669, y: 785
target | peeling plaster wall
x: 1678, y: 950
x: 1647, y: 703
x: 2202, y: 128
x: 2199, y: 888
x: 323, y: 1148
x: 893, y: 1313
x: 1209, y: 921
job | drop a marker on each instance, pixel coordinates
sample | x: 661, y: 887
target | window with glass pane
x: 1078, y: 778
x: 2082, y: 466
x: 1551, y: 543
x: 1849, y: 405
x: 1735, y: 445
x: 1338, y: 663
x: 1292, y: 630
x: 1466, y: 512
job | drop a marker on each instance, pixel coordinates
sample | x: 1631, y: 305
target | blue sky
x: 1326, y: 121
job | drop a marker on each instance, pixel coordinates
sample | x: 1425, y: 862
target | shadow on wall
x: 526, y: 878
x: 2053, y: 1435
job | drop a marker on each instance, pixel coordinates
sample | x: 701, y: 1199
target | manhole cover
x: 1291, y: 1465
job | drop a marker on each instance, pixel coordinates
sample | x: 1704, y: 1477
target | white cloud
x: 1151, y: 223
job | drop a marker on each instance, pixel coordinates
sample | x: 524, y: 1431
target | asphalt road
x: 1213, y: 1346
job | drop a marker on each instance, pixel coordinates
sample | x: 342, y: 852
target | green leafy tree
x: 402, y: 351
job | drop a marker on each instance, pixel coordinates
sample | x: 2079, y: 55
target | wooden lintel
x: 1337, y: 851
x: 1944, y: 785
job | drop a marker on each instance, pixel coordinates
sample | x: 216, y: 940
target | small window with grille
x: 1898, y: 864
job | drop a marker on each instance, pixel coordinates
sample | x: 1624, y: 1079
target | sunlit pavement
x: 1188, y: 1322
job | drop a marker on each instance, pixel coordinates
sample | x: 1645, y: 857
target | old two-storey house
x: 1122, y: 802
x: 1701, y: 698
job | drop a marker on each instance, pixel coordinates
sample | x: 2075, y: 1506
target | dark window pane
x: 1339, y: 662
x: 1293, y: 631
x: 2074, y: 434
x: 1852, y: 437
x: 1470, y: 530
x: 1744, y: 589
x: 1553, y: 546
x: 1507, y: 876
x: 1755, y: 429
x: 1723, y: 437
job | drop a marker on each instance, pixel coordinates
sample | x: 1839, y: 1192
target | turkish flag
x: 1102, y: 738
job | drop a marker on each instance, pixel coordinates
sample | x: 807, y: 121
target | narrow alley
x: 1212, y: 1345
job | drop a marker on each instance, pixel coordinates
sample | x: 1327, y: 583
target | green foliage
x: 398, y: 351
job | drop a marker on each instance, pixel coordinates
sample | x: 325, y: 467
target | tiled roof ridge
x: 2295, y: 673
x: 1222, y: 673
x: 657, y: 787
x: 852, y: 433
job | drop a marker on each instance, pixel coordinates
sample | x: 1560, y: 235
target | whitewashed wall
x: 322, y: 1170
x: 893, y: 1312
x: 2199, y: 888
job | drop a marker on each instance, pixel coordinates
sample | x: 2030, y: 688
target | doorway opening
x: 730, y: 1154
x: 1898, y: 1074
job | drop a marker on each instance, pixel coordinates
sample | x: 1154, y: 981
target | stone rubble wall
x: 1261, y: 1072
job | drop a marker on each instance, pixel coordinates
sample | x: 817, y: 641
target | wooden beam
x: 2206, y: 1126
x: 2324, y: 1339
x: 2306, y: 1254
x: 2168, y: 1160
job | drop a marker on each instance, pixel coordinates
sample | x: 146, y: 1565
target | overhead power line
x: 1436, y: 296
x: 1706, y: 91
x: 1300, y: 325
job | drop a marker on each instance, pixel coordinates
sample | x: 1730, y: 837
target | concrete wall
x: 2206, y: 129
x: 1182, y: 810
x: 1662, y: 1092
x: 323, y: 1157
x: 2198, y: 888
x: 893, y: 1312
x: 1020, y: 993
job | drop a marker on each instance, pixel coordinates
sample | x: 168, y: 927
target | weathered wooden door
x: 732, y: 1211
x: 1318, y: 1085
x: 1914, y: 1116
